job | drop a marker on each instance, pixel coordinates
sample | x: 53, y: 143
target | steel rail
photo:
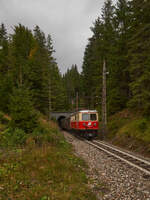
x: 123, y: 152
x: 119, y: 157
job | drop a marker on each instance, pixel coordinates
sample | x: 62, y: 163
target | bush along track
x: 40, y: 166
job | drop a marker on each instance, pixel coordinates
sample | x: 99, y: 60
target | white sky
x: 68, y: 22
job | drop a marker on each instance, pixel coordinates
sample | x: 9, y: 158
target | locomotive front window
x: 93, y: 117
x: 87, y: 117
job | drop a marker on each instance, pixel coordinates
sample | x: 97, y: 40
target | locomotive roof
x: 82, y: 111
x: 85, y: 111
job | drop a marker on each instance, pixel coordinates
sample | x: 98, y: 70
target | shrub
x: 43, y: 134
x: 142, y: 125
x: 13, y: 137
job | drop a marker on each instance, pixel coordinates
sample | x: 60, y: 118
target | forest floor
x: 130, y: 131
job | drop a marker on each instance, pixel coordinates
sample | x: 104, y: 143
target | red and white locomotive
x: 84, y: 122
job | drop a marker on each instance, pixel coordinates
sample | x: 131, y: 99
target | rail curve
x: 130, y: 159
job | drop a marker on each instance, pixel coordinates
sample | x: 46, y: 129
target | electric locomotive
x: 84, y: 123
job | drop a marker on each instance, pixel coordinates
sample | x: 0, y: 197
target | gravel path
x: 111, y: 179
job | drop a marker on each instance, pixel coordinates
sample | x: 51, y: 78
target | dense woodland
x: 121, y: 36
x: 30, y: 77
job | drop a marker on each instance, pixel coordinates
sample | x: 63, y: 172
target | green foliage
x: 142, y: 125
x: 108, y: 41
x: 21, y: 46
x: 73, y: 85
x: 57, y: 89
x: 121, y: 37
x: 115, y: 123
x: 5, y: 91
x: 137, y: 129
x: 21, y: 111
x: 5, y: 77
x: 27, y: 62
x: 45, y: 198
x: 138, y: 55
x: 42, y: 134
x: 12, y: 138
x: 130, y: 131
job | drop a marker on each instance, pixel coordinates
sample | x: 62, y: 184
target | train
x: 83, y: 123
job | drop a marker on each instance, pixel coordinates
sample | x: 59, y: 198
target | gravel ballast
x: 111, y: 179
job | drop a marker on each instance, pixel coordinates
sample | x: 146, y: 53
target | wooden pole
x: 77, y: 108
x: 104, y: 109
x: 49, y: 100
x: 77, y: 101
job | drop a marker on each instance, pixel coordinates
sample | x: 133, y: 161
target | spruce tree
x: 5, y: 75
x: 21, y: 109
x: 118, y: 85
x: 72, y: 82
x: 138, y: 55
x: 21, y: 45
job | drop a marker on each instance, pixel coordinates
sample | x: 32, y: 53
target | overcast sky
x: 68, y: 22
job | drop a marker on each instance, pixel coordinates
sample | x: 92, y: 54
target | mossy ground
x: 43, y: 169
x: 130, y: 130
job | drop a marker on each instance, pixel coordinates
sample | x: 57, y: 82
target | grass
x: 130, y: 130
x: 43, y: 169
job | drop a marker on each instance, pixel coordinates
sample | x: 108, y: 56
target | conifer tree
x: 92, y: 76
x: 139, y: 51
x: 58, y: 95
x: 5, y: 76
x: 22, y: 111
x: 72, y: 82
x: 21, y: 45
x: 118, y: 85
x: 100, y: 47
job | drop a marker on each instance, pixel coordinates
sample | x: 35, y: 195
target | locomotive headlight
x: 89, y: 124
x: 94, y: 124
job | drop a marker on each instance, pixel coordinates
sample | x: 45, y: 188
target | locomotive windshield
x: 87, y: 117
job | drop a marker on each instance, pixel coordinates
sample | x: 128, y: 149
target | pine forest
x: 29, y: 71
x: 28, y: 68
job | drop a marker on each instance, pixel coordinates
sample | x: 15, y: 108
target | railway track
x: 130, y: 159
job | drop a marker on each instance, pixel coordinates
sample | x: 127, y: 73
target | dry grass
x: 43, y: 170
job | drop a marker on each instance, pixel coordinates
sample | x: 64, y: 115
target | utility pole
x: 104, y: 109
x: 49, y: 101
x: 77, y: 108
x: 77, y: 101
